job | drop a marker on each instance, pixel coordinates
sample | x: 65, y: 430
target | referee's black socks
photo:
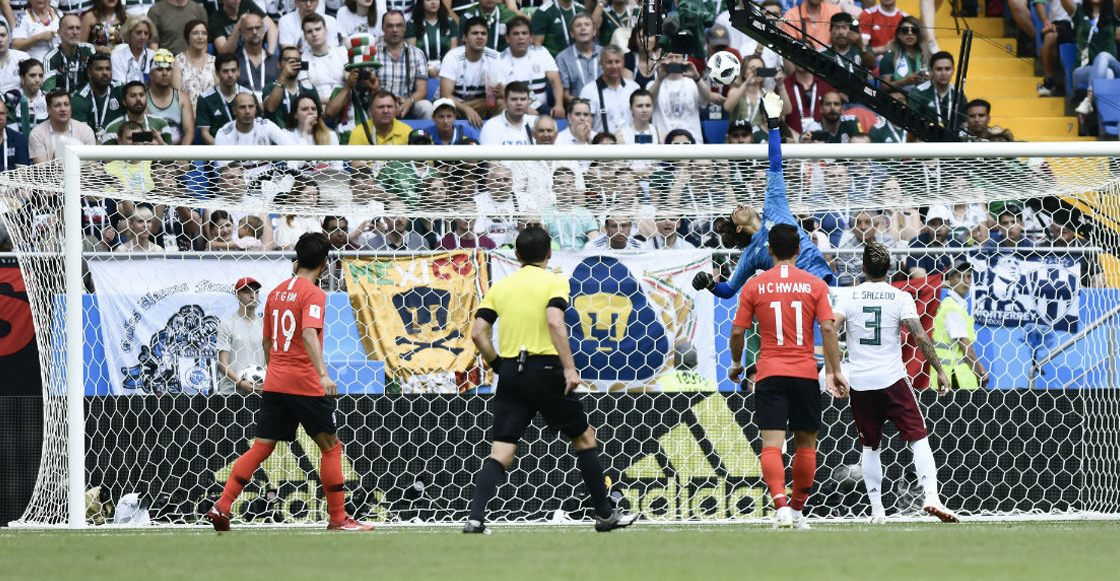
x: 592, y: 470
x: 489, y: 477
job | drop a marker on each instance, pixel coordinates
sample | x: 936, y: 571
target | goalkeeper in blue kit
x: 775, y: 210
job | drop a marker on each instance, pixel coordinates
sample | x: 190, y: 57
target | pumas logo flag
x: 159, y: 318
x: 414, y: 313
x: 628, y: 312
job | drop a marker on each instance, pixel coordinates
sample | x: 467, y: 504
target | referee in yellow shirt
x: 536, y: 373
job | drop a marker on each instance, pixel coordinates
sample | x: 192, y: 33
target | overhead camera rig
x: 752, y: 22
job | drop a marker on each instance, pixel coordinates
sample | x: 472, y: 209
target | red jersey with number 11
x: 295, y: 305
x: 786, y: 300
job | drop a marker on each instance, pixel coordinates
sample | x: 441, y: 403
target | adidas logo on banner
x: 705, y: 468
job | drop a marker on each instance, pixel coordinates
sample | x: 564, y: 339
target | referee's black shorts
x: 281, y: 413
x: 788, y: 401
x: 537, y: 388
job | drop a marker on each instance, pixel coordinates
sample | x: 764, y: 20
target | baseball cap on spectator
x: 939, y: 212
x: 163, y: 59
x: 246, y: 281
x: 739, y: 126
x: 467, y: 141
x: 419, y: 137
x: 719, y: 36
x: 444, y: 102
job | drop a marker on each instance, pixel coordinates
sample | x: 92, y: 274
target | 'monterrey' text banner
x: 159, y: 317
x: 629, y: 312
x: 1013, y: 290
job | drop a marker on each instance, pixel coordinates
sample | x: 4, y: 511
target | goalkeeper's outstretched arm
x: 776, y: 207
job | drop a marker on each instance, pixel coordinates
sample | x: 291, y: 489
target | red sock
x: 804, y: 472
x: 774, y: 473
x: 330, y: 474
x: 242, y: 473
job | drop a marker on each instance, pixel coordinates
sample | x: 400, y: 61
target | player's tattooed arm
x: 914, y: 326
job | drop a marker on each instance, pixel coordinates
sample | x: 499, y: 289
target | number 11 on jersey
x: 778, y: 330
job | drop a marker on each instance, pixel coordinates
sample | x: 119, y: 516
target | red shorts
x: 896, y: 403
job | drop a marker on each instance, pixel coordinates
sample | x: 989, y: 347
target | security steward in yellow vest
x: 954, y: 333
x: 536, y: 373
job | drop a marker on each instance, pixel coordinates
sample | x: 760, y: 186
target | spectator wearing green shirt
x: 214, y: 108
x: 552, y: 24
x: 136, y: 110
x: 281, y: 94
x: 496, y: 17
x: 100, y: 102
x: 65, y: 66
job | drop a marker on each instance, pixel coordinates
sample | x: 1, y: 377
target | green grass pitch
x: 835, y: 552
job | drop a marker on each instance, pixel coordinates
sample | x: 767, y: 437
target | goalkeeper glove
x: 772, y: 104
x: 703, y: 280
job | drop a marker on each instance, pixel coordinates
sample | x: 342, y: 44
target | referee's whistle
x: 521, y: 357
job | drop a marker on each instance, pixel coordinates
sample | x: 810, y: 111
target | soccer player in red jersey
x: 297, y: 388
x: 787, y: 300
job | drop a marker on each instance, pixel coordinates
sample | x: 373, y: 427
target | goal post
x: 414, y: 406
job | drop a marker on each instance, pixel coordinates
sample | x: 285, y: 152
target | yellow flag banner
x: 414, y: 313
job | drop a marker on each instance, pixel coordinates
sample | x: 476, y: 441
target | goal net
x: 135, y: 260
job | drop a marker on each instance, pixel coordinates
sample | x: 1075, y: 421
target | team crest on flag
x: 414, y: 313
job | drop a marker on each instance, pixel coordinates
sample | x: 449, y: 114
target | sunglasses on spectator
x: 908, y: 29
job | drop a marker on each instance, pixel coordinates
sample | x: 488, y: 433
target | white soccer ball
x: 254, y: 374
x: 723, y: 67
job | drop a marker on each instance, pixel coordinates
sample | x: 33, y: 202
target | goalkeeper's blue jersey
x: 756, y: 256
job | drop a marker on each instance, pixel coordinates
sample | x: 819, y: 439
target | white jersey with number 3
x: 873, y: 314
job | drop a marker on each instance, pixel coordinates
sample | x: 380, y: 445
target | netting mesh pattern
x: 166, y: 335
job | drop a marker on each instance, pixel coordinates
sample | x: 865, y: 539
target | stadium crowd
x: 259, y: 72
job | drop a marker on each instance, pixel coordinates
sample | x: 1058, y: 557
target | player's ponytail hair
x: 876, y: 260
x: 312, y: 249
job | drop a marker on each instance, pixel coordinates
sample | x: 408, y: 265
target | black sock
x: 592, y: 470
x: 485, y: 486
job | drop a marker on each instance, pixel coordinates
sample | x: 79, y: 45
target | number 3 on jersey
x: 287, y: 327
x: 874, y: 324
x: 778, y: 330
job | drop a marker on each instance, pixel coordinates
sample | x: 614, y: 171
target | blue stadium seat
x: 561, y: 124
x: 433, y: 89
x: 1067, y: 53
x: 715, y: 131
x: 1106, y: 100
x: 425, y: 124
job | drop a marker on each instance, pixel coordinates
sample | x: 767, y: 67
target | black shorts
x: 538, y: 388
x: 281, y: 413
x: 1065, y: 31
x: 788, y: 401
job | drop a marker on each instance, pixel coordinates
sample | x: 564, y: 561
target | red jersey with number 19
x: 295, y: 305
x: 786, y: 300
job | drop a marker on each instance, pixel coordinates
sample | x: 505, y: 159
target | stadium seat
x: 433, y: 89
x: 715, y: 131
x: 561, y: 124
x: 1067, y: 53
x: 425, y: 124
x: 1106, y: 100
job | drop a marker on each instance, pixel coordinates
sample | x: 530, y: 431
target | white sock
x: 873, y: 478
x: 925, y: 467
